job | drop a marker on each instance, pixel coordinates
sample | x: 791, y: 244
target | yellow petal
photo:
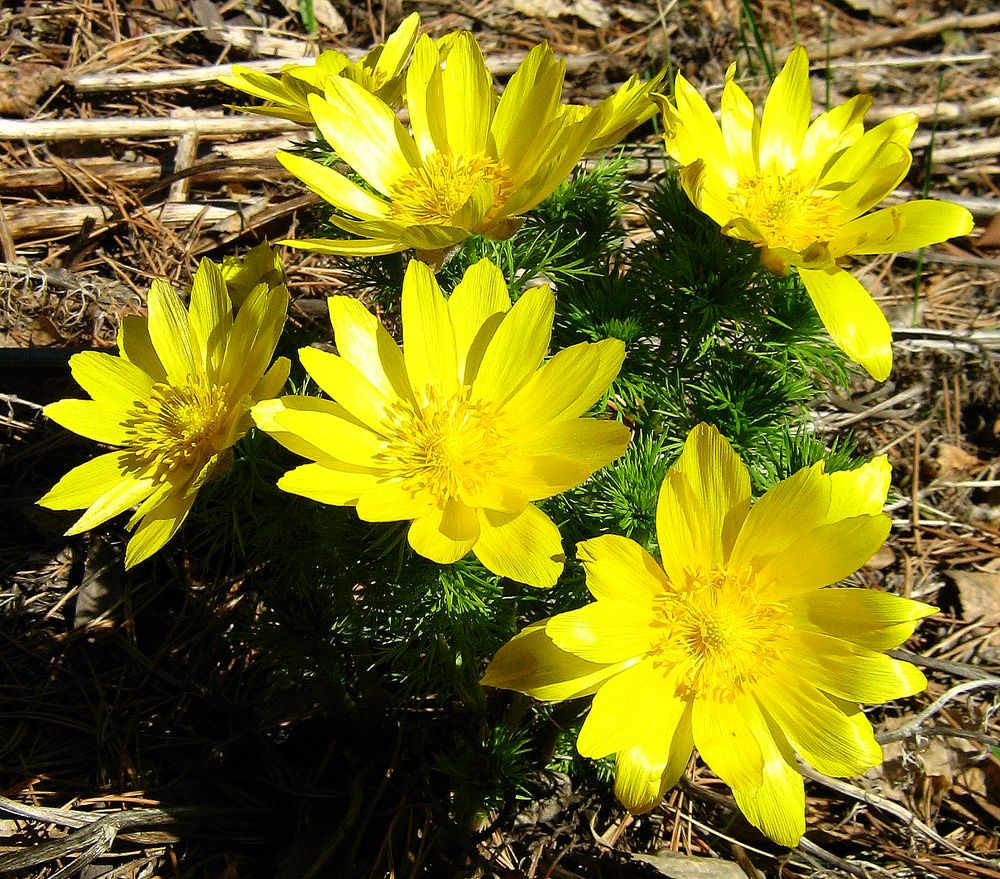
x: 628, y: 107
x: 851, y: 317
x: 363, y: 342
x: 886, y: 171
x: 861, y: 491
x: 346, y: 247
x: 818, y: 730
x: 83, y: 485
x: 567, y: 385
x: 637, y: 705
x: 557, y: 153
x: 119, y: 496
x: 584, y: 441
x: 365, y: 133
x: 476, y: 306
x: 786, y: 115
x: 528, y: 103
x: 517, y: 347
x: 467, y: 93
x: 272, y: 381
x: 210, y: 315
x: 137, y: 348
x: 419, y: 237
x: 740, y: 127
x: 532, y: 664
x: 907, y: 226
x: 604, y: 631
x: 425, y: 99
x: 427, y: 537
x: 526, y: 547
x: 97, y: 421
x: 110, y: 380
x: 643, y: 774
x: 618, y: 569
x: 345, y: 384
x: 831, y: 132
x: 850, y: 671
x: 524, y: 479
x: 776, y: 806
x: 860, y: 156
x: 390, y: 500
x: 692, y: 133
x: 728, y: 735
x: 339, y: 488
x: 267, y: 413
x: 170, y: 332
x: 391, y: 57
x: 428, y: 336
x: 336, y: 437
x: 863, y: 616
x: 711, y: 194
x: 789, y: 510
x: 157, y: 527
x: 823, y: 556
x: 334, y: 187
x: 702, y: 504
x: 250, y: 346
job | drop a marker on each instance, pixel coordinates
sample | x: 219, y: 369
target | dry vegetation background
x: 121, y: 161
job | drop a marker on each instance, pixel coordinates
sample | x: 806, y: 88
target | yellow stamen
x: 179, y: 426
x: 444, y: 446
x: 720, y: 632
x: 435, y: 193
x: 787, y: 210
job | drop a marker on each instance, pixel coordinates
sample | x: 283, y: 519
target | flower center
x: 720, y: 632
x: 435, y: 193
x: 445, y: 446
x: 178, y: 426
x: 787, y: 209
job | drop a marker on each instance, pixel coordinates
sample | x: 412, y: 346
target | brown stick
x: 34, y: 222
x: 184, y: 158
x: 125, y: 127
x: 85, y: 83
x: 895, y: 36
x: 945, y: 111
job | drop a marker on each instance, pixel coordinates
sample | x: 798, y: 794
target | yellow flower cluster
x: 730, y: 642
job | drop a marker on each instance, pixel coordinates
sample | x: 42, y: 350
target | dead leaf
x: 324, y: 13
x: 875, y: 8
x: 593, y: 12
x: 21, y: 85
x: 948, y: 460
x: 884, y: 558
x: 978, y: 593
x: 678, y: 866
x: 991, y: 234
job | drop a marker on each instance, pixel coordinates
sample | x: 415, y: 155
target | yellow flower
x: 799, y: 192
x: 474, y: 163
x: 174, y: 402
x: 379, y: 72
x: 732, y: 646
x: 627, y: 108
x: 462, y: 429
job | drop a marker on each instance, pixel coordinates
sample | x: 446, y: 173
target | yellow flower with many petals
x: 732, y: 646
x: 473, y: 163
x: 174, y: 402
x: 462, y: 429
x: 379, y: 72
x: 800, y: 192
